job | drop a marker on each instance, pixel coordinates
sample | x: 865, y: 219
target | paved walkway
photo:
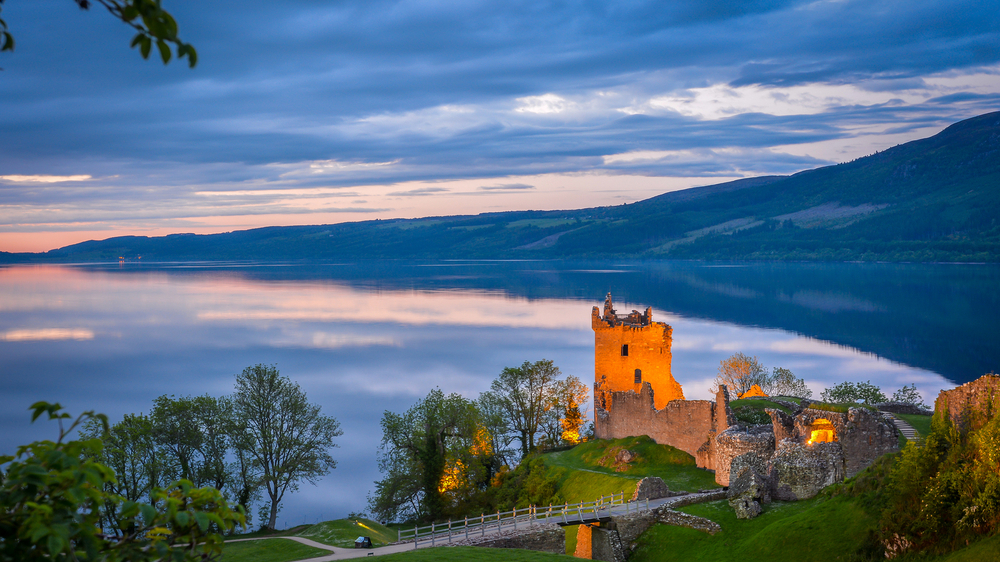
x: 903, y: 427
x: 339, y: 553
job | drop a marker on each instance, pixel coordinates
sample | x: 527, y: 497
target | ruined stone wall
x: 684, y: 424
x: 971, y: 404
x: 545, y: 537
x: 736, y: 441
x: 648, y: 351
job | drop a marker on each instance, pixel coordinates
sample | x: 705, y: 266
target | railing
x: 567, y: 514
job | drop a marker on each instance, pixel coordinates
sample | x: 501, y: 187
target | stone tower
x: 629, y: 350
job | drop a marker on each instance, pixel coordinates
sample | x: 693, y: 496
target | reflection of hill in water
x: 941, y: 318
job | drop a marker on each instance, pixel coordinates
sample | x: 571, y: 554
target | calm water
x: 361, y: 338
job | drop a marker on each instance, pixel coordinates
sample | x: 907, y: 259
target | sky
x: 309, y: 112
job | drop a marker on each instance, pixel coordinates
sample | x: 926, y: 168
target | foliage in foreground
x: 52, y: 495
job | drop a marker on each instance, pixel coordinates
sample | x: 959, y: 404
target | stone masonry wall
x: 972, y: 403
x: 685, y: 424
x: 648, y: 350
x: 543, y: 538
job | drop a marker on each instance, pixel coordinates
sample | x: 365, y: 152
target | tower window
x: 638, y: 376
x: 625, y: 350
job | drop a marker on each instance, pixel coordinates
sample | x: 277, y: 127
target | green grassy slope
x: 919, y: 422
x: 343, y: 532
x: 268, y: 550
x: 935, y: 199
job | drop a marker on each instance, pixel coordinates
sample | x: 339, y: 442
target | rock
x: 651, y: 488
x: 798, y: 471
x: 738, y: 440
x: 745, y: 508
x: 624, y: 456
x: 747, y: 475
x: 748, y: 489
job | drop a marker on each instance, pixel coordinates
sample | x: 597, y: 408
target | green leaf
x: 144, y: 49
x: 129, y: 13
x: 136, y: 40
x: 8, y: 42
x: 148, y: 513
x: 202, y: 520
x: 164, y: 50
x: 183, y: 518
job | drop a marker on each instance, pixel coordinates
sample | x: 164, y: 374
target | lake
x: 364, y: 337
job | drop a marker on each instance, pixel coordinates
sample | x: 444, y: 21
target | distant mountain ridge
x: 934, y: 199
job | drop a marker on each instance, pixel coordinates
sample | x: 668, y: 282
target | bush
x: 862, y: 392
x: 52, y: 496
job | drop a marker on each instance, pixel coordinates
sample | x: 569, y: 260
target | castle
x: 635, y: 394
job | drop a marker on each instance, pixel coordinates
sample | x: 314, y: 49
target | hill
x: 935, y: 199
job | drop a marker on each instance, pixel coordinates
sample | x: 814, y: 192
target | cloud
x: 47, y: 334
x: 44, y: 178
x: 368, y: 94
x: 506, y: 187
x: 419, y: 192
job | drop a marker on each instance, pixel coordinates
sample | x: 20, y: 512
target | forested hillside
x: 935, y: 199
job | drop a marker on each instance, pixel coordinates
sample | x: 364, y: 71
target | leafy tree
x: 50, y: 499
x: 286, y: 436
x: 563, y: 416
x: 131, y: 452
x: 740, y: 372
x: 783, y: 382
x: 153, y: 25
x: 493, y: 421
x: 175, y: 428
x: 909, y: 395
x: 525, y: 394
x: 862, y: 393
x: 433, y: 447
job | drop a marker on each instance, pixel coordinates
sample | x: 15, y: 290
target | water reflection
x: 363, y: 338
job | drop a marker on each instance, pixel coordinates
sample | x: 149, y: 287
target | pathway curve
x: 903, y: 427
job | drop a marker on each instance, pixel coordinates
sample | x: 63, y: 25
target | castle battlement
x: 629, y: 350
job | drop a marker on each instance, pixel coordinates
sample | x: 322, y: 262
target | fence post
x: 449, y: 531
x: 515, y: 517
x: 563, y: 511
x: 432, y: 533
x: 482, y: 524
x: 415, y: 532
x: 466, y: 526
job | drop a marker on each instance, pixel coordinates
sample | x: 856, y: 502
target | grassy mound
x: 591, y: 467
x: 343, y: 532
x: 471, y: 554
x: 268, y: 550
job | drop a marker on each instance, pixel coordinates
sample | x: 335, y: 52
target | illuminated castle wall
x: 629, y: 350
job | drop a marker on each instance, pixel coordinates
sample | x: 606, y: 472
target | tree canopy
x: 53, y: 495
x: 286, y: 436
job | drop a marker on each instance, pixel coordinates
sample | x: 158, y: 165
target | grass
x: 596, y: 458
x: 540, y: 223
x: 919, y: 422
x: 818, y: 530
x: 758, y: 404
x: 587, y: 471
x: 343, y: 532
x: 268, y: 550
x: 841, y: 407
x: 986, y: 549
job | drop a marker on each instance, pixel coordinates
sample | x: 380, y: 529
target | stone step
x: 904, y: 428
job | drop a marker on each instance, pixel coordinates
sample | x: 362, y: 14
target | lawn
x: 268, y: 550
x: 812, y: 530
x: 919, y: 422
x: 343, y: 532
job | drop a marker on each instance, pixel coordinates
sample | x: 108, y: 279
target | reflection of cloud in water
x: 50, y: 334
x: 830, y: 302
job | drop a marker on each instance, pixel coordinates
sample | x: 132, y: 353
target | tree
x: 783, y: 382
x: 563, y: 419
x: 131, y: 452
x: 433, y: 448
x: 152, y: 23
x: 50, y: 499
x: 739, y: 373
x: 847, y: 392
x: 525, y: 394
x: 286, y: 436
x: 909, y: 395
